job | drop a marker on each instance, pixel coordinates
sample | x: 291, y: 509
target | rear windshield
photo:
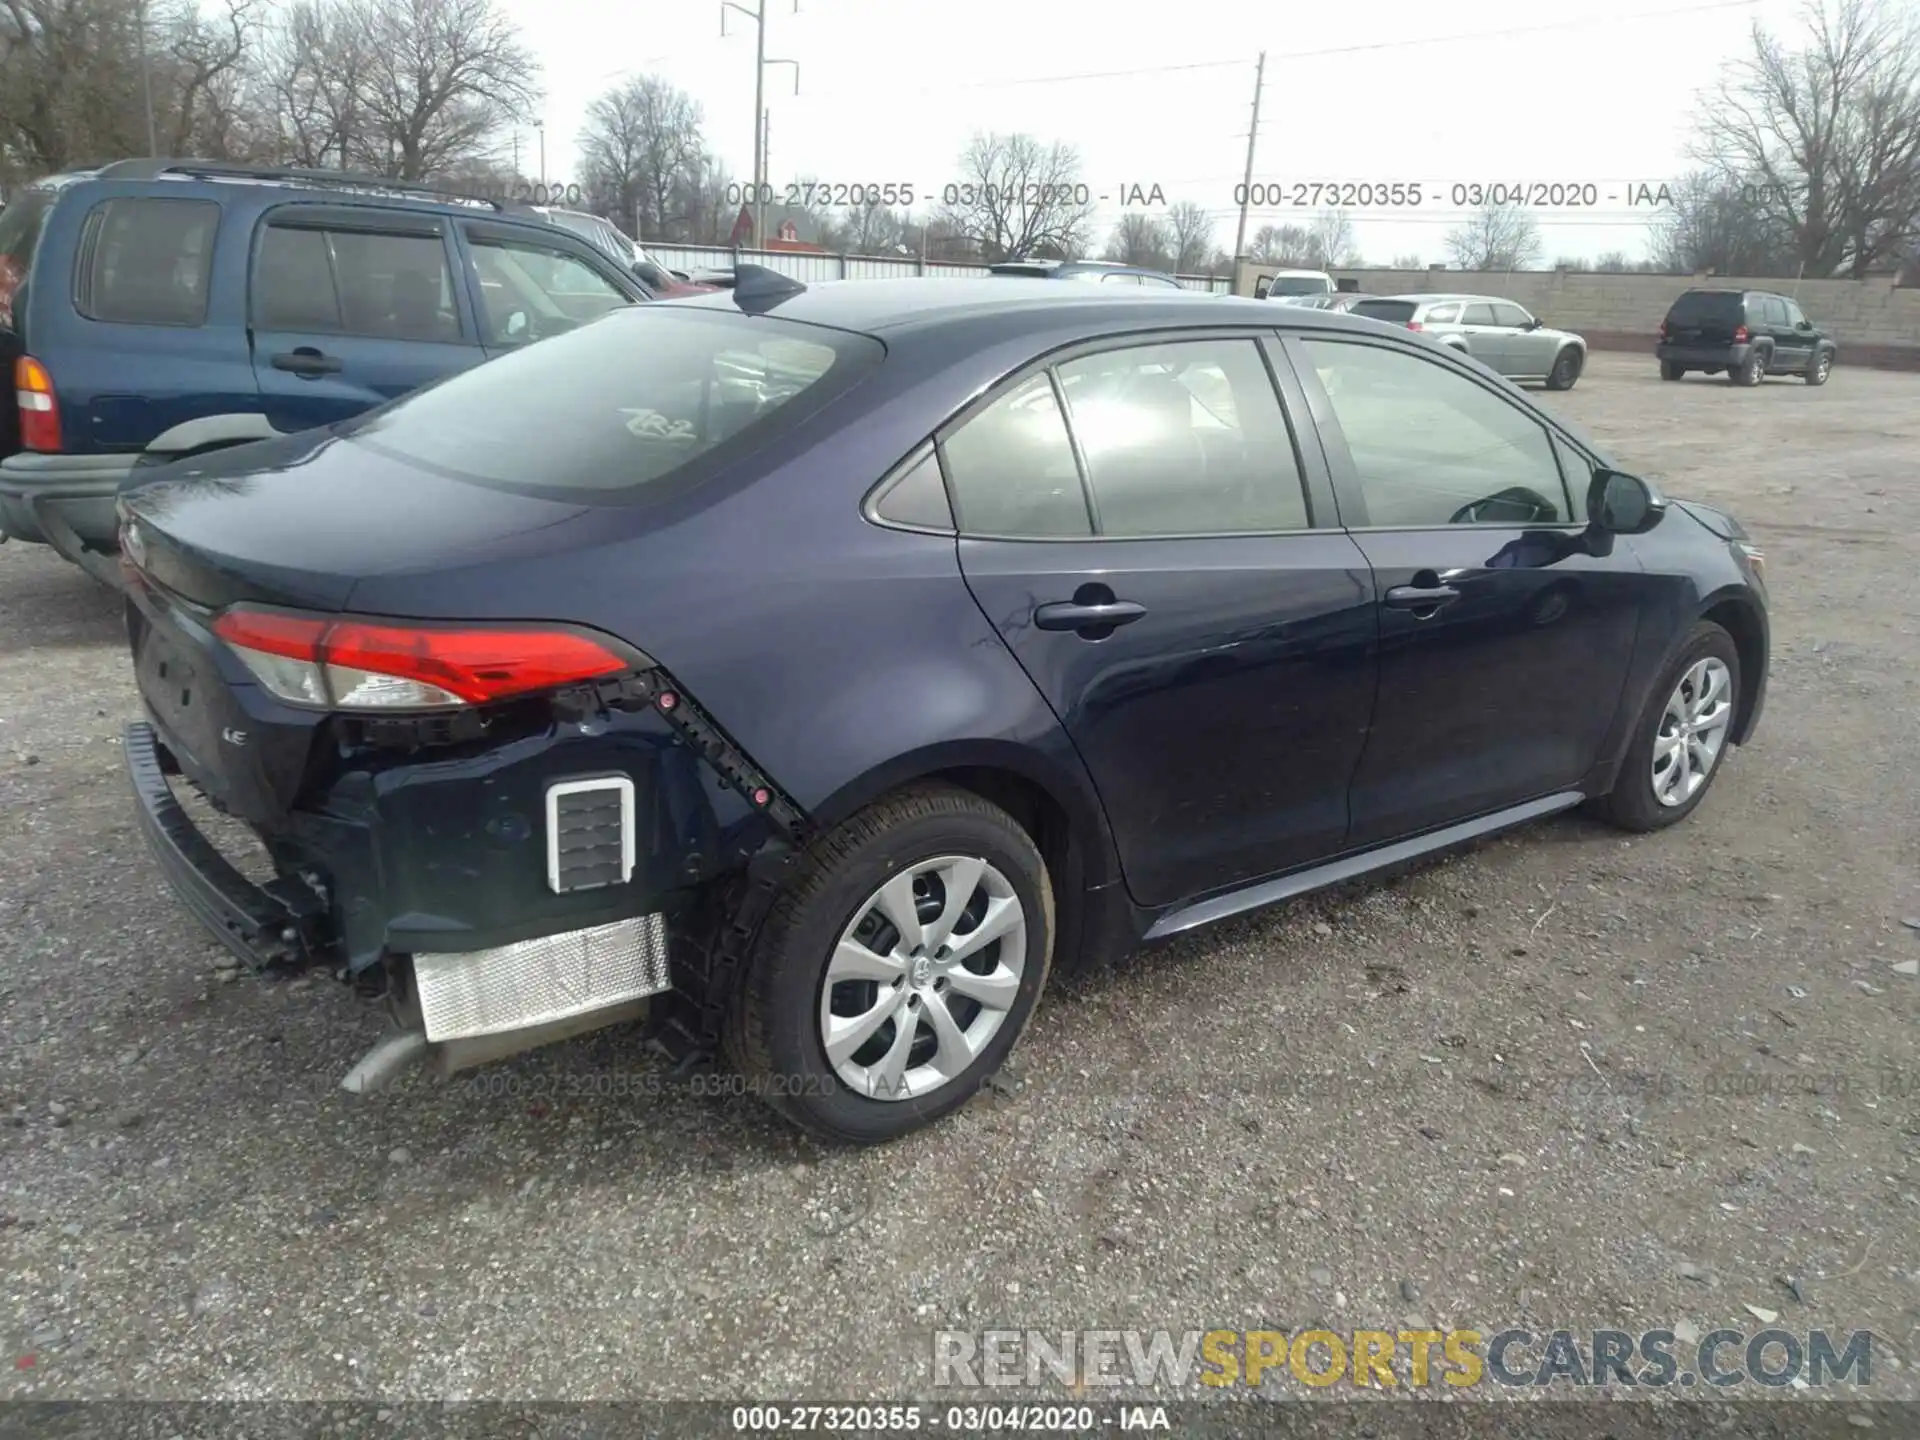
x: 1698, y: 305
x: 1299, y: 285
x: 1397, y: 311
x: 633, y: 405
x: 20, y: 230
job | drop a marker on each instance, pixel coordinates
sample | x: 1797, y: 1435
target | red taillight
x: 351, y: 664
x: 1663, y: 329
x: 1415, y: 325
x: 39, y: 409
x: 1739, y: 334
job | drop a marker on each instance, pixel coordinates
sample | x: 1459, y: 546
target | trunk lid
x: 301, y: 521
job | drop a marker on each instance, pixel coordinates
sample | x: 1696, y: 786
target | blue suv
x: 154, y: 309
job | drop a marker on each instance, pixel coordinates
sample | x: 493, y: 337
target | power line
x: 1351, y: 49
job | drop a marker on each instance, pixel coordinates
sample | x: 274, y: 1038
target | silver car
x: 1498, y: 333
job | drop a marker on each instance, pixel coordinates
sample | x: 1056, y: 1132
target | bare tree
x: 204, y: 69
x: 69, y: 83
x: 1408, y: 262
x: 1571, y: 262
x: 1140, y: 239
x: 1497, y: 237
x: 1719, y: 225
x: 1822, y: 142
x: 310, y: 78
x: 641, y: 150
x: 1286, y: 245
x: 1190, y: 237
x: 443, y: 78
x: 871, y: 228
x: 1017, y: 198
x: 1330, y: 241
x: 1613, y: 262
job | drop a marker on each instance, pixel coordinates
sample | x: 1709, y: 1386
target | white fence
x: 808, y: 266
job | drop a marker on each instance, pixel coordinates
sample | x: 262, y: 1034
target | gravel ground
x: 1566, y: 1079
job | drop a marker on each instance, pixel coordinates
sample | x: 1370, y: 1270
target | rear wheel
x: 1751, y: 372
x: 1682, y: 736
x: 1820, y: 367
x: 1672, y: 370
x: 1566, y: 369
x: 897, y: 971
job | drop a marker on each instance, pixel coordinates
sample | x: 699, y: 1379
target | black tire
x: 773, y: 1034
x: 1567, y: 366
x: 1671, y: 370
x: 1631, y: 804
x: 1819, y: 367
x: 1752, y: 372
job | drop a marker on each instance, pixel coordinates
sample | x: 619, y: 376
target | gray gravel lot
x: 1567, y: 1079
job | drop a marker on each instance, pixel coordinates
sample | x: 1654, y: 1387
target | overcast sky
x: 1599, y: 92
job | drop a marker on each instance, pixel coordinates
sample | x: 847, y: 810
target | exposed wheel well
x: 1043, y: 818
x: 1738, y: 619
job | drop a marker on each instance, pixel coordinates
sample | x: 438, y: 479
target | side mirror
x: 1804, y: 325
x: 1534, y: 325
x: 1622, y: 504
x: 517, y: 324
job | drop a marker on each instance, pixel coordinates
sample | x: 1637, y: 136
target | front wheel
x: 1683, y: 734
x: 898, y: 969
x: 1566, y: 370
x: 1821, y: 368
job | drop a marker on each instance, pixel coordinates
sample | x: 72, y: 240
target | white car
x: 1290, y: 287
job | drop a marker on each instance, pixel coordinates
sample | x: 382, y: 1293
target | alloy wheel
x: 923, y: 977
x: 1821, y: 366
x: 1693, y: 731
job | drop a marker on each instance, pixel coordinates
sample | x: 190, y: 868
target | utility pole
x: 146, y: 83
x: 758, y: 14
x: 1246, y: 185
x: 541, y: 127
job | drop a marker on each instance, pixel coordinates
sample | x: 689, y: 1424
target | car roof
x: 917, y: 305
x: 1297, y: 274
x: 1446, y: 297
x: 338, y: 186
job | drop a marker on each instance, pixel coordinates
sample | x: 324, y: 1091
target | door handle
x: 1421, y: 597
x: 307, y: 362
x: 1069, y: 615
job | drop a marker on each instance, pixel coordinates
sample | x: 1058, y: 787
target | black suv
x: 1748, y: 334
x: 153, y: 309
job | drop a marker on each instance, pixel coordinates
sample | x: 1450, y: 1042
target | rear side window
x: 145, y: 261
x: 643, y: 402
x: 351, y: 282
x: 1397, y: 312
x: 20, y: 229
x: 1013, y: 469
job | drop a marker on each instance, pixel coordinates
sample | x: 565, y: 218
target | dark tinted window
x: 1184, y: 439
x: 20, y: 229
x: 918, y: 498
x: 1431, y: 447
x: 1513, y: 315
x: 1698, y: 305
x: 394, y: 286
x: 1396, y: 311
x: 1795, y: 315
x: 1479, y: 315
x: 1013, y: 470
x: 1299, y: 285
x: 643, y: 400
x: 145, y: 261
x: 293, y: 282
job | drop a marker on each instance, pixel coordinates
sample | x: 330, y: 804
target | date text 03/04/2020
x: 965, y: 193
x: 1455, y: 194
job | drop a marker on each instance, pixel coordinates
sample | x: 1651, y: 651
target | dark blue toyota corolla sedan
x: 814, y: 669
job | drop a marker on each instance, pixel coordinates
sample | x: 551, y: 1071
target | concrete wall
x: 1874, y: 322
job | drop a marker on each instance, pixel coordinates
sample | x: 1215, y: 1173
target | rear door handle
x: 1421, y: 597
x: 1067, y: 615
x: 307, y: 362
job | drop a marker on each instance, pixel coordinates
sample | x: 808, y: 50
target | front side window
x: 1431, y: 447
x: 1184, y: 439
x: 1511, y: 316
x: 146, y: 261
x: 529, y: 292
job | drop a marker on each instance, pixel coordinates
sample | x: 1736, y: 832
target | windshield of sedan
x: 1299, y: 285
x: 615, y: 410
